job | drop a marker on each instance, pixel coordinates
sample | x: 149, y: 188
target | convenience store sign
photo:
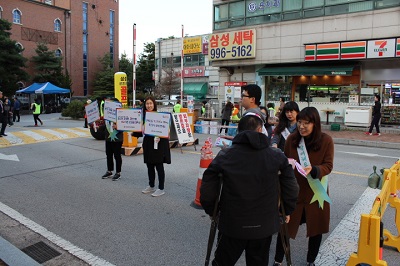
x: 232, y: 45
x: 353, y: 50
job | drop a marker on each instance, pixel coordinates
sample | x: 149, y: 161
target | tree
x: 104, y: 82
x: 170, y: 82
x: 48, y: 66
x: 145, y: 68
x: 126, y: 66
x: 11, y: 61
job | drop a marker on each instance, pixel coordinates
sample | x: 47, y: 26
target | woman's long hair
x: 283, y: 120
x: 313, y: 141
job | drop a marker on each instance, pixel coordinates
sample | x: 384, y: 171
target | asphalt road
x: 58, y: 185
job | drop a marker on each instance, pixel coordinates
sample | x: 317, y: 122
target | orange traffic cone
x: 205, y: 160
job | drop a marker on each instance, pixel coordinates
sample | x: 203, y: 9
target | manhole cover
x: 40, y: 252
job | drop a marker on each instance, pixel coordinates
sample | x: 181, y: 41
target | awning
x: 197, y: 89
x: 306, y: 71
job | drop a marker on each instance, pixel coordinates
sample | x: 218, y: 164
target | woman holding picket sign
x: 156, y: 152
x: 313, y: 152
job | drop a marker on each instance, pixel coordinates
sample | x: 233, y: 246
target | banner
x: 157, y: 124
x: 129, y: 119
x: 182, y: 127
x: 92, y: 112
x: 121, y: 87
x: 110, y: 110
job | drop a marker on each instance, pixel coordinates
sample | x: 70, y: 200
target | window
x: 58, y: 52
x: 387, y: 3
x: 57, y: 25
x: 290, y: 5
x: 20, y: 48
x: 17, y: 16
x: 1, y: 12
x: 85, y: 47
x: 49, y: 2
x: 312, y: 3
x: 111, y: 36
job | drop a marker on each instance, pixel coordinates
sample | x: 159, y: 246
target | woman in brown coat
x: 310, y: 209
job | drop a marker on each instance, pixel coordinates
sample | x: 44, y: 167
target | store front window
x: 278, y: 86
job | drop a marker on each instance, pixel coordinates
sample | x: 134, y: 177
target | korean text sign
x: 157, y: 124
x: 232, y: 45
x: 129, y: 119
x: 110, y: 110
x: 92, y: 112
x: 182, y: 127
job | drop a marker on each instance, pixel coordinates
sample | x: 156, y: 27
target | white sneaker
x: 148, y: 190
x: 158, y: 192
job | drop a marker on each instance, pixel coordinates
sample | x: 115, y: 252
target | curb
x: 366, y: 143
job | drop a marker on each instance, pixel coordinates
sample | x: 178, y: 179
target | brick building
x: 79, y: 31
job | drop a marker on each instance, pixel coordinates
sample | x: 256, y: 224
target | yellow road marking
x: 349, y: 174
x: 25, y: 138
x: 48, y: 136
x: 68, y: 133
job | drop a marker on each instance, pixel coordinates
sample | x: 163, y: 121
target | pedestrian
x: 203, y: 108
x: 281, y: 104
x: 235, y: 114
x: 3, y: 116
x: 156, y: 152
x: 267, y: 125
x: 376, y: 116
x: 85, y: 125
x: 16, y: 108
x: 114, y: 139
x: 271, y: 107
x: 226, y: 115
x: 286, y: 125
x: 140, y: 104
x: 251, y: 174
x: 314, y: 151
x: 8, y: 109
x: 37, y: 110
x: 177, y: 107
x: 251, y: 96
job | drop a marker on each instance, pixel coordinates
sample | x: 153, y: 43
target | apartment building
x: 78, y: 31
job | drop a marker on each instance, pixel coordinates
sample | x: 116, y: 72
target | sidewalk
x: 389, y: 138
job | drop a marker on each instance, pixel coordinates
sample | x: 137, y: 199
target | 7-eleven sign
x: 381, y: 48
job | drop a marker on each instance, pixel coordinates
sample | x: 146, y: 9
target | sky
x: 160, y: 19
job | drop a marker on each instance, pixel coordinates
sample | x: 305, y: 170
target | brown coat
x: 317, y: 219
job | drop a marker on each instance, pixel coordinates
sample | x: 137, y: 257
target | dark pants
x: 3, y: 125
x: 36, y: 118
x: 114, y: 149
x: 85, y: 125
x: 9, y: 118
x: 314, y: 242
x: 15, y: 115
x: 152, y: 174
x: 224, y: 122
x: 230, y: 249
x: 375, y: 122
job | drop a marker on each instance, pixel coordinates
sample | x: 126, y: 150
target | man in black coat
x: 252, y: 174
x: 3, y: 116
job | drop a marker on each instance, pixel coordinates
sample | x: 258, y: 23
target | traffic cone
x: 206, y: 158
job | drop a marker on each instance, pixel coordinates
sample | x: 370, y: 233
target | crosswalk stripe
x: 41, y: 135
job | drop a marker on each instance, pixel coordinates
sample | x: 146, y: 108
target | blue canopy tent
x: 31, y: 89
x: 49, y: 88
x: 43, y: 88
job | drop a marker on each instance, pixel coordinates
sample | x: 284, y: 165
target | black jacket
x: 161, y: 155
x: 376, y: 111
x: 249, y: 200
